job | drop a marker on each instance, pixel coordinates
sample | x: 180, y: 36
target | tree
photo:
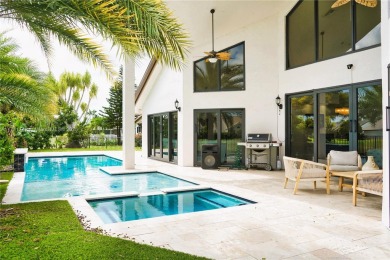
x: 370, y: 103
x: 21, y: 84
x: 134, y: 26
x: 113, y: 113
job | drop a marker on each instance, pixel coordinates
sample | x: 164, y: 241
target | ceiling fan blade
x: 208, y: 53
x: 339, y: 3
x: 223, y: 55
x: 224, y: 58
x: 368, y: 3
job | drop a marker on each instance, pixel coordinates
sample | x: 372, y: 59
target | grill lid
x: 259, y: 138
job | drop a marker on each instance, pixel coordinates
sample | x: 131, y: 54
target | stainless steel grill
x: 259, y: 148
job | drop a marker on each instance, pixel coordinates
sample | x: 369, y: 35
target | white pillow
x: 343, y: 158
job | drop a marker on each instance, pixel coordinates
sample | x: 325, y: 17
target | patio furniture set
x: 344, y: 165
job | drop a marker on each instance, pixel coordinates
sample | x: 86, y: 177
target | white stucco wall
x: 161, y: 98
x: 386, y: 138
x: 261, y: 80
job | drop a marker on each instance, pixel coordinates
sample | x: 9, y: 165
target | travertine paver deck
x: 310, y: 225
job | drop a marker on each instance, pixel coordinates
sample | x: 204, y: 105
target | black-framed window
x: 224, y: 75
x: 315, y: 31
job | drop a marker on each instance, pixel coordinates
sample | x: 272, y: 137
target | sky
x: 63, y: 60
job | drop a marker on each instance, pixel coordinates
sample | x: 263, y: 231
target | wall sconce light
x: 277, y: 101
x: 177, y: 106
x: 349, y: 66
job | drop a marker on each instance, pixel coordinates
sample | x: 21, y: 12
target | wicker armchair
x: 303, y: 170
x: 367, y: 182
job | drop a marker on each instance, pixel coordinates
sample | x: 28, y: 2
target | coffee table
x: 342, y: 175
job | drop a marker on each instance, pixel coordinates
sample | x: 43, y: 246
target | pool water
x: 59, y: 177
x: 142, y: 207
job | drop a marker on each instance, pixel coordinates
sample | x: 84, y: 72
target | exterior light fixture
x: 278, y: 102
x: 349, y: 66
x: 177, y: 106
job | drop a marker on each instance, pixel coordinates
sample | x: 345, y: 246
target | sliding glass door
x: 344, y: 119
x: 333, y: 122
x: 224, y: 128
x: 162, y: 132
x: 368, y: 122
x: 301, y: 121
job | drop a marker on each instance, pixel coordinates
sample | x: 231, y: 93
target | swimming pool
x: 59, y: 177
x: 133, y: 208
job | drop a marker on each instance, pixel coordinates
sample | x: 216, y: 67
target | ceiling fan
x: 368, y: 3
x: 213, y: 56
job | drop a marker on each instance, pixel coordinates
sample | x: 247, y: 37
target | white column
x: 128, y: 114
x: 385, y: 47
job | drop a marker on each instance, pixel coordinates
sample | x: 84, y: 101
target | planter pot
x: 370, y: 164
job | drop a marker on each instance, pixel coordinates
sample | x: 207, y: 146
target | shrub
x: 6, y: 140
x: 39, y: 140
x: 79, y: 136
x: 138, y: 140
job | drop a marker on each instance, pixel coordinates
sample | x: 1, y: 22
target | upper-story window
x: 223, y: 75
x: 316, y: 32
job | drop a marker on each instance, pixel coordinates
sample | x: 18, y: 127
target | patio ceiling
x: 230, y: 16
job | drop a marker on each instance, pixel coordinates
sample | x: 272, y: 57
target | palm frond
x: 134, y: 26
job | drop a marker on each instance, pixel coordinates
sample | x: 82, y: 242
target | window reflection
x: 222, y: 75
x: 368, y: 29
x: 206, y: 76
x: 232, y: 71
x: 302, y: 127
x: 334, y: 28
x: 300, y: 31
x: 334, y: 34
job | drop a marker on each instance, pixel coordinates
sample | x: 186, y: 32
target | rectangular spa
x: 133, y: 208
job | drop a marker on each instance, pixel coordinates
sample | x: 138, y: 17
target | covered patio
x: 310, y: 224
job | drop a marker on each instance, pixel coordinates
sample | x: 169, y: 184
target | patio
x: 309, y: 225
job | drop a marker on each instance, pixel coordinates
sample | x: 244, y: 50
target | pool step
x: 114, y: 170
x: 187, y: 188
x: 112, y: 195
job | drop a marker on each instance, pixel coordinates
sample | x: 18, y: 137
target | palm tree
x: 93, y: 91
x: 134, y: 26
x: 85, y: 84
x: 21, y: 83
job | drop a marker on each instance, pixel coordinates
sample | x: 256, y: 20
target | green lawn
x: 51, y: 230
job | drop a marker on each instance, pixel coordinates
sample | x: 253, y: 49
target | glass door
x: 165, y: 136
x: 231, y: 134
x: 206, y: 132
x: 174, y: 144
x: 301, y: 126
x: 162, y: 133
x: 369, y: 122
x: 344, y: 119
x: 335, y: 128
x: 156, y: 149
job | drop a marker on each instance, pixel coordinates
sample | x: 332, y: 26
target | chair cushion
x: 343, y: 158
x: 313, y: 173
x: 343, y: 168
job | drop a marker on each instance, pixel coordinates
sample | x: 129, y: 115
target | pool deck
x: 309, y: 225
